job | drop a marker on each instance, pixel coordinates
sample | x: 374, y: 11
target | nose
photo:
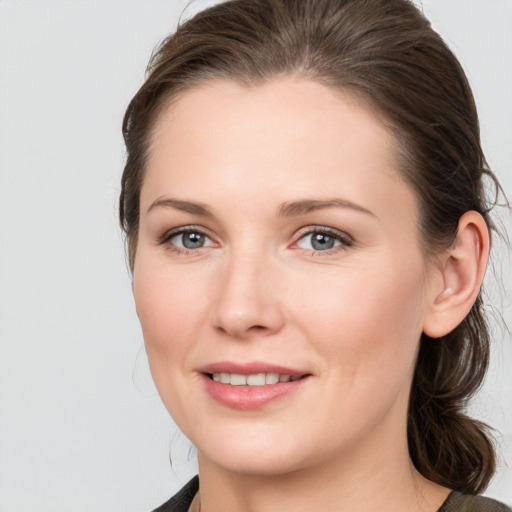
x: 247, y: 301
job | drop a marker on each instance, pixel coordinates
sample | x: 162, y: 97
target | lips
x: 250, y: 385
x: 253, y: 379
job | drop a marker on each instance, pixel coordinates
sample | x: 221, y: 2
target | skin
x: 351, y: 316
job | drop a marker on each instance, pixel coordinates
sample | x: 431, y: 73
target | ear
x: 459, y: 275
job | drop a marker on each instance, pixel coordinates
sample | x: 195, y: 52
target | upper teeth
x: 255, y: 379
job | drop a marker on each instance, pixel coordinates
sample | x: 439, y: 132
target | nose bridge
x: 246, y: 300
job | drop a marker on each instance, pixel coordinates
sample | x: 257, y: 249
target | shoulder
x: 458, y: 502
x: 181, y: 501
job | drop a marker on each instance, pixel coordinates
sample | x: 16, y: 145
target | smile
x: 255, y: 379
x: 251, y: 385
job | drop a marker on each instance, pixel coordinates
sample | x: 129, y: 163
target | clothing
x: 456, y: 501
x: 182, y: 499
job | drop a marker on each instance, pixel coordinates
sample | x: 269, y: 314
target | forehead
x: 293, y: 135
x: 292, y: 109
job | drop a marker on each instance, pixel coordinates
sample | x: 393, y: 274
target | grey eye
x: 321, y: 241
x: 193, y: 240
x: 318, y: 241
x: 190, y: 240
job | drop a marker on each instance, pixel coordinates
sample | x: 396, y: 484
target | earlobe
x: 462, y: 269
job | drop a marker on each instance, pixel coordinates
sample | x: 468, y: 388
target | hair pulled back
x: 385, y: 53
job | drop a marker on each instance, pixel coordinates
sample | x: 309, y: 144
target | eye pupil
x: 193, y: 240
x: 322, y: 242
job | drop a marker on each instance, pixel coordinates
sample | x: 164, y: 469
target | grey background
x: 81, y: 426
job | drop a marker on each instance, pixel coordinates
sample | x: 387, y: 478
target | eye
x: 188, y: 239
x: 323, y: 240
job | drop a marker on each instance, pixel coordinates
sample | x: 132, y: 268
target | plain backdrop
x: 81, y: 426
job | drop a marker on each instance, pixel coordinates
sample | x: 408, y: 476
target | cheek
x: 369, y: 315
x: 170, y: 307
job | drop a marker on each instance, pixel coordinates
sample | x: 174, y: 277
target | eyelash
x: 344, y: 239
x: 169, y: 235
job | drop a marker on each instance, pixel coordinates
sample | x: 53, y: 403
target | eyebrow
x: 295, y: 208
x: 287, y: 209
x: 184, y: 206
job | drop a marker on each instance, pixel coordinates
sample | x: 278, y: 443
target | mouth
x: 253, y: 379
x: 253, y: 385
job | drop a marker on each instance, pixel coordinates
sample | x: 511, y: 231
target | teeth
x: 256, y: 379
x: 271, y: 378
x: 238, y: 380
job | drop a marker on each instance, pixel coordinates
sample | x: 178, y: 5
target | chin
x: 258, y: 458
x: 255, y: 465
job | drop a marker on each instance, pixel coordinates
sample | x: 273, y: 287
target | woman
x: 308, y: 232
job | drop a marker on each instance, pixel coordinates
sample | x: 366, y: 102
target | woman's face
x: 277, y: 238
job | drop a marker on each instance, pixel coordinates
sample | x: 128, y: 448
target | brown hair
x: 386, y: 54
